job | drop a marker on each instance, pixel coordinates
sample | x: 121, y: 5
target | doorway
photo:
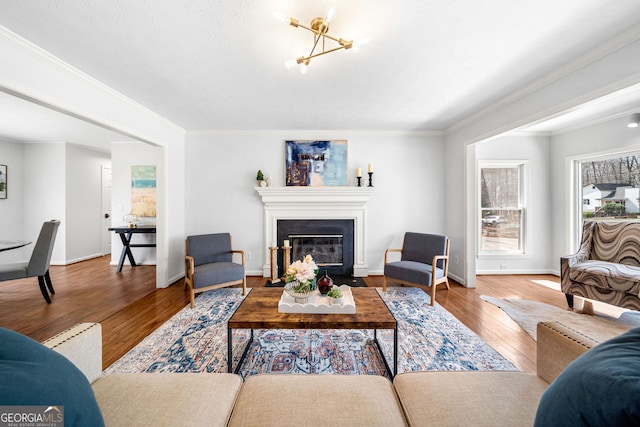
x: 106, y: 209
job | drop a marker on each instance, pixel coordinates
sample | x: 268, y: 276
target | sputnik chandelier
x: 320, y: 29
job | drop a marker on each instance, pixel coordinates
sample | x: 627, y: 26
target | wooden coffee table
x: 259, y: 310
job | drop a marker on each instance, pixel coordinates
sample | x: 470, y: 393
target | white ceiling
x: 218, y: 64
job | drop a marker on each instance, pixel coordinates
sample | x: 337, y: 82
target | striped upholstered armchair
x: 606, y: 268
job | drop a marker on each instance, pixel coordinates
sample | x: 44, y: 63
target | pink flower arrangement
x: 304, y: 272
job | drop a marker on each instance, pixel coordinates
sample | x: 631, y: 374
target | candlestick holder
x: 370, y: 179
x: 359, y: 181
x: 274, y: 264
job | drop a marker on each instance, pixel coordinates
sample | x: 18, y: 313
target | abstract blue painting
x: 316, y: 163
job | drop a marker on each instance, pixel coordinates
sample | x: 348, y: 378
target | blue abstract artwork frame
x: 316, y: 163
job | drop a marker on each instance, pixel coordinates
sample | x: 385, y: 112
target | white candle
x: 286, y: 243
x: 370, y: 167
x: 273, y: 244
x: 359, y: 172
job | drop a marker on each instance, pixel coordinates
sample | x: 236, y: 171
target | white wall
x: 45, y: 193
x: 123, y: 156
x: 538, y: 214
x: 604, y: 138
x: 11, y: 224
x: 220, y: 179
x: 84, y: 202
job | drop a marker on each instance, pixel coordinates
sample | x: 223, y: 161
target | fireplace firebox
x: 328, y: 241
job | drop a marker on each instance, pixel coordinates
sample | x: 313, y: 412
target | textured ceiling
x: 218, y: 64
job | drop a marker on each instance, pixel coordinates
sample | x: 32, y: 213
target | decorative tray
x: 318, y: 303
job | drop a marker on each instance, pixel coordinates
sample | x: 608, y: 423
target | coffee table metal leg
x: 230, y: 352
x: 395, y: 352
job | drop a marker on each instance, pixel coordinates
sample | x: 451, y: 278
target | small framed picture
x: 3, y: 181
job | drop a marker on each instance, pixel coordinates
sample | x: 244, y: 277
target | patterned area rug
x: 430, y: 338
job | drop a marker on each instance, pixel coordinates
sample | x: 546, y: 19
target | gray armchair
x: 38, y: 265
x: 424, y: 262
x: 209, y: 264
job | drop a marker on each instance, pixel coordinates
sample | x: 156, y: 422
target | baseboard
x: 514, y: 272
x: 73, y: 261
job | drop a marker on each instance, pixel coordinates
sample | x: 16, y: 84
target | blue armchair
x: 424, y: 262
x: 209, y: 264
x: 38, y: 265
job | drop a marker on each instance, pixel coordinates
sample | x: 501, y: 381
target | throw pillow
x: 34, y: 375
x: 599, y: 388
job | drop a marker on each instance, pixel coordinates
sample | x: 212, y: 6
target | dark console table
x: 126, y: 234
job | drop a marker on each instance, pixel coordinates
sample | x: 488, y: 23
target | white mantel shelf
x: 317, y: 203
x: 314, y: 195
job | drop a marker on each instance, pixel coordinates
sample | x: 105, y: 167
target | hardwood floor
x: 130, y: 307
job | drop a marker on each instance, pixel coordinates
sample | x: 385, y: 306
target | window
x: 610, y: 186
x: 502, y: 207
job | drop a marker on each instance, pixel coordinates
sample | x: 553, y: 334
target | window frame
x: 577, y: 208
x: 523, y: 170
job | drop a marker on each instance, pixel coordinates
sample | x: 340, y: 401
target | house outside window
x: 611, y: 187
x: 502, y: 207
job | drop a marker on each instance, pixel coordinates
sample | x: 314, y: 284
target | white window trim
x: 524, y: 203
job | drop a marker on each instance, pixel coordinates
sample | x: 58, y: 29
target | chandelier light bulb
x: 281, y: 17
x: 290, y: 63
x: 304, y: 68
x: 330, y: 15
x: 360, y: 42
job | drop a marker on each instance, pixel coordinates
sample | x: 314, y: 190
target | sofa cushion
x: 167, y: 399
x: 34, y: 375
x: 317, y: 400
x: 469, y: 398
x: 601, y: 387
x: 607, y: 275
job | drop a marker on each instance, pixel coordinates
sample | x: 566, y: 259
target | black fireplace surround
x: 326, y: 231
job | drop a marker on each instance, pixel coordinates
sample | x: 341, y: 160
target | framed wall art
x: 143, y: 191
x: 316, y: 163
x: 3, y: 181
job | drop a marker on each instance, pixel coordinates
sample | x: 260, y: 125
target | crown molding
x: 280, y: 132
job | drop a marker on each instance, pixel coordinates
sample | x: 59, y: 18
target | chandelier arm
x: 335, y: 39
x: 315, y: 43
x: 307, y: 58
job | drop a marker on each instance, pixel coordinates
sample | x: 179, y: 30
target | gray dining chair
x: 209, y: 264
x: 424, y: 262
x: 38, y: 264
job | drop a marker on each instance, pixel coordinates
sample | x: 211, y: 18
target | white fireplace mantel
x: 316, y: 203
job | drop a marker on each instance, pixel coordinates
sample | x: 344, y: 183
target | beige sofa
x: 417, y: 398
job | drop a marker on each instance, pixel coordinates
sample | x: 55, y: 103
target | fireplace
x: 317, y: 203
x: 328, y: 241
